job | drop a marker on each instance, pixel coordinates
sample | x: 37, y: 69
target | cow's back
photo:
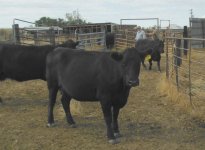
x: 82, y: 72
x: 23, y: 63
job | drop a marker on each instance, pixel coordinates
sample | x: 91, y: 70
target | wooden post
x: 52, y: 35
x: 185, y: 35
x: 177, y: 53
x: 177, y: 59
x: 167, y: 59
x: 35, y: 37
x: 16, y: 34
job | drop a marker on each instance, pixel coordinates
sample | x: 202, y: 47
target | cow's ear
x: 116, y: 56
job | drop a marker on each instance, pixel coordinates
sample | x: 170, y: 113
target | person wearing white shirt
x: 140, y: 34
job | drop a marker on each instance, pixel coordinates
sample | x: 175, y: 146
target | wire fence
x: 88, y: 41
x: 185, y: 67
x: 54, y: 35
x: 124, y: 39
x: 37, y: 35
x: 92, y: 41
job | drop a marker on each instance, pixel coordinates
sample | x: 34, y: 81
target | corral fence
x: 90, y: 37
x: 124, y: 39
x: 6, y: 35
x: 197, y: 31
x: 185, y: 66
x: 92, y: 41
x: 185, y: 59
x: 36, y: 35
x: 125, y: 35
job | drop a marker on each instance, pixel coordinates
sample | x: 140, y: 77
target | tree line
x: 71, y: 18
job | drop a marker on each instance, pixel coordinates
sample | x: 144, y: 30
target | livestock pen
x: 185, y: 69
x: 90, y: 36
x: 148, y: 121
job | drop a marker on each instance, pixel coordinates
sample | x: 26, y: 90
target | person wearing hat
x: 140, y: 33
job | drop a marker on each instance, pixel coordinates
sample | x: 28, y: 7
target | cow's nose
x: 133, y: 82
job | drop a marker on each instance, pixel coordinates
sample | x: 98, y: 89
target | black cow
x: 92, y: 76
x: 22, y: 63
x: 110, y: 40
x: 147, y: 47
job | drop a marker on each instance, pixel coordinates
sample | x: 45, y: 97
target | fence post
x: 190, y: 83
x: 35, y: 37
x: 126, y: 34
x: 16, y: 34
x: 52, y: 35
x: 185, y: 35
x: 177, y: 53
x: 104, y: 40
x: 167, y: 59
x: 177, y: 59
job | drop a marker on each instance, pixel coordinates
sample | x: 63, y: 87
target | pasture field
x: 149, y: 121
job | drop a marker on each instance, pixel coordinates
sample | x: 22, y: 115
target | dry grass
x: 197, y: 84
x: 148, y: 121
x: 177, y: 97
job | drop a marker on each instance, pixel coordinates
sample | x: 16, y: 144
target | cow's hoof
x: 50, y: 125
x: 114, y: 141
x: 73, y: 126
x: 117, y: 135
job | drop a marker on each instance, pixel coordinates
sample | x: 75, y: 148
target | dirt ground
x: 149, y: 121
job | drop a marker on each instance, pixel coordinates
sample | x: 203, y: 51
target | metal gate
x: 197, y: 30
x: 34, y: 35
x: 92, y: 41
x: 125, y: 36
x: 124, y: 39
x: 185, y: 66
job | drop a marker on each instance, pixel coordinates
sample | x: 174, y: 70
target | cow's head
x: 69, y: 44
x: 161, y: 46
x: 130, y: 64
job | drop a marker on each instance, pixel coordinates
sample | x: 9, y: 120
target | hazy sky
x: 178, y: 11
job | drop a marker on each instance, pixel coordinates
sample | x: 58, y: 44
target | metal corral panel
x: 197, y: 31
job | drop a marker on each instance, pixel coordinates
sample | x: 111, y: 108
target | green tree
x: 47, y: 21
x: 71, y: 18
x: 75, y: 18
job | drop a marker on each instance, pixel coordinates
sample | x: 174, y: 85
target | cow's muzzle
x: 133, y: 83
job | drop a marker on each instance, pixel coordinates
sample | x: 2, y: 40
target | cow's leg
x: 52, y: 100
x: 106, y: 108
x: 143, y: 64
x: 158, y: 65
x: 115, y: 122
x: 150, y: 64
x: 65, y: 99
